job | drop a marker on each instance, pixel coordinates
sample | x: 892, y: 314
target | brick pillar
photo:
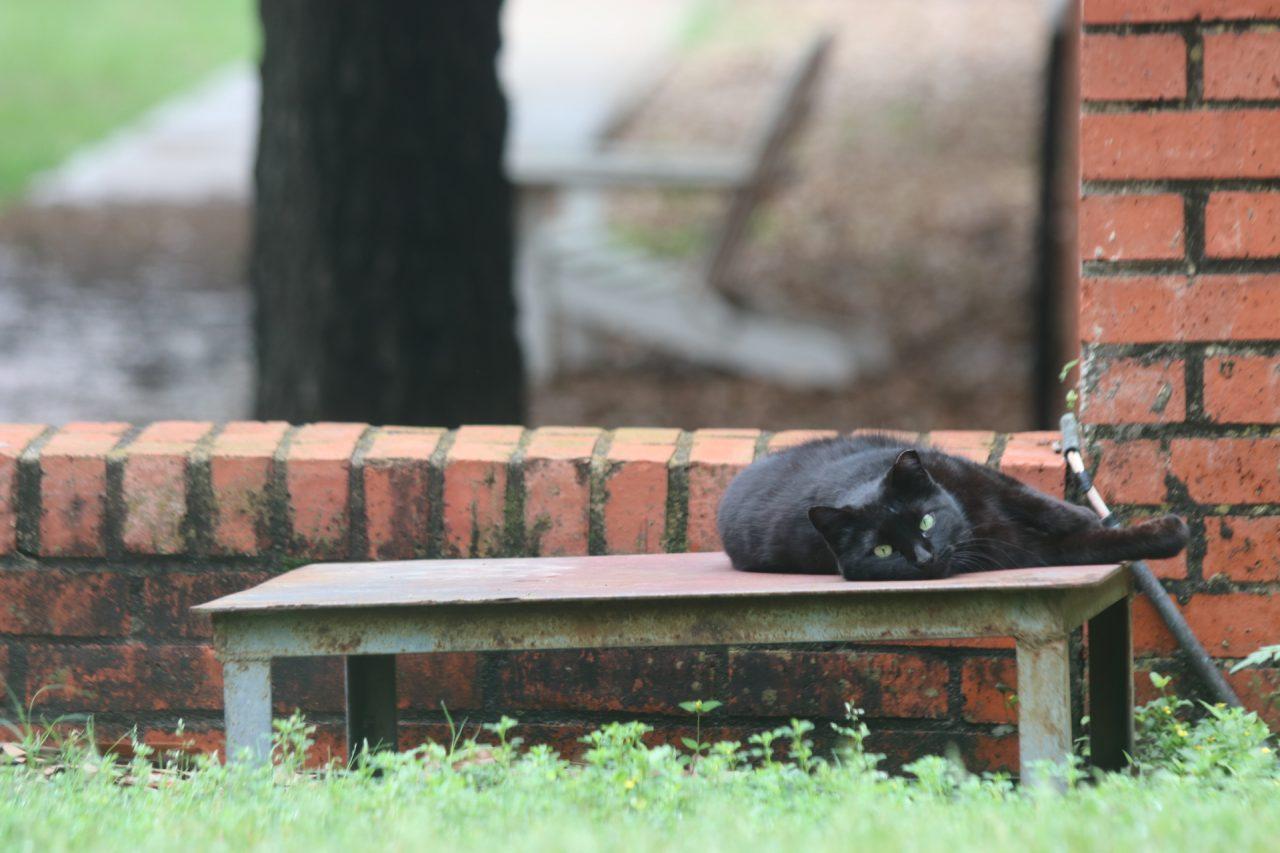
x: 1180, y: 300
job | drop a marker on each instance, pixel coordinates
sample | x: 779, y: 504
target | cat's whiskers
x: 996, y: 550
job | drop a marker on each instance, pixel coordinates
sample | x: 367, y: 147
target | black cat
x: 876, y: 508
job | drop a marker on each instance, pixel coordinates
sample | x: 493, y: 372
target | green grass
x: 72, y: 70
x: 1206, y: 784
x: 539, y: 804
x: 408, y: 811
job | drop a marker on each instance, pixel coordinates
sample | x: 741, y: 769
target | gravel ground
x: 912, y: 202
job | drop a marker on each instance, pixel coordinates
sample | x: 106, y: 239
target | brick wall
x: 109, y: 533
x: 1180, y: 300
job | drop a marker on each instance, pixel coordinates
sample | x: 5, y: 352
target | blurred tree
x: 382, y: 244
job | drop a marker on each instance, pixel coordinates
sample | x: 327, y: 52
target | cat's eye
x: 926, y: 522
x: 883, y: 550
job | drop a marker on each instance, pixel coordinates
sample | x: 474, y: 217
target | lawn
x: 1206, y: 784
x: 414, y: 811
x: 73, y: 70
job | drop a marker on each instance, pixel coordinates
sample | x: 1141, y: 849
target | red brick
x: 155, y: 486
x: 1136, y: 391
x: 1236, y: 624
x: 1232, y: 308
x: 426, y: 682
x: 1158, y: 11
x: 475, y: 490
x: 311, y: 685
x: 1242, y: 225
x: 167, y: 600
x: 716, y: 458
x: 1180, y: 145
x: 190, y: 741
x: 1142, y: 309
x: 397, y: 501
x: 318, y: 479
x: 14, y: 439
x: 1257, y: 689
x: 792, y: 437
x: 328, y: 743
x: 902, y: 435
x: 1150, y: 636
x: 631, y: 680
x: 993, y: 753
x: 1030, y: 458
x: 240, y: 468
x: 1137, y: 309
x: 1243, y: 549
x: 4, y: 670
x: 1131, y: 227
x: 635, y: 490
x: 423, y: 682
x: 1131, y: 472
x: 557, y: 490
x: 1229, y: 470
x: 1133, y: 67
x: 73, y: 489
x: 974, y: 445
x: 990, y: 688
x: 64, y: 604
x: 1242, y: 66
x: 802, y: 683
x: 1242, y: 389
x: 126, y: 679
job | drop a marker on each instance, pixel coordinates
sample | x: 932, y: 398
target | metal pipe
x: 1143, y: 577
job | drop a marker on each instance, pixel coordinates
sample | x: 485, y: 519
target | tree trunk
x: 382, y: 245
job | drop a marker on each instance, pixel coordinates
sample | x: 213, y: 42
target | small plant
x: 1072, y: 395
x: 505, y: 751
x: 853, y: 734
x: 1265, y: 656
x: 1223, y: 741
x: 292, y: 738
x: 698, y: 707
x: 801, y: 751
x: 763, y: 748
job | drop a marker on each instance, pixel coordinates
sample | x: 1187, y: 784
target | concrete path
x: 566, y: 66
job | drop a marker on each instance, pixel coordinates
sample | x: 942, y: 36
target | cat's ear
x: 908, y: 474
x: 832, y: 522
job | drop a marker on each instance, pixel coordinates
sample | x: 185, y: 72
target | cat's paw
x: 1168, y: 535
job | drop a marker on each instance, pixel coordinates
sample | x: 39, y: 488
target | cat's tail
x: 1156, y: 539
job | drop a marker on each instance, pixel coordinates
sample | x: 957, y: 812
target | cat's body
x: 876, y: 508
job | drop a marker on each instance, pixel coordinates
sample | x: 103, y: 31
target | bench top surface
x: 424, y: 583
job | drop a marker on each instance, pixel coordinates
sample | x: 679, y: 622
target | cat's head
x: 906, y: 531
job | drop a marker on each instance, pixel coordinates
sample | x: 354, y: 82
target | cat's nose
x: 923, y: 555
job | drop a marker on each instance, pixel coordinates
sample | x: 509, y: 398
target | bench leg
x: 1111, y: 687
x: 246, y: 695
x: 1044, y: 705
x: 371, y: 703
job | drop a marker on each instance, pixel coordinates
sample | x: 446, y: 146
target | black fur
x: 825, y: 506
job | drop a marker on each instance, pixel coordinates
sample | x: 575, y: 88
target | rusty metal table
x: 370, y: 612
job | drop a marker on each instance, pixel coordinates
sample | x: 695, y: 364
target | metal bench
x: 370, y: 612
